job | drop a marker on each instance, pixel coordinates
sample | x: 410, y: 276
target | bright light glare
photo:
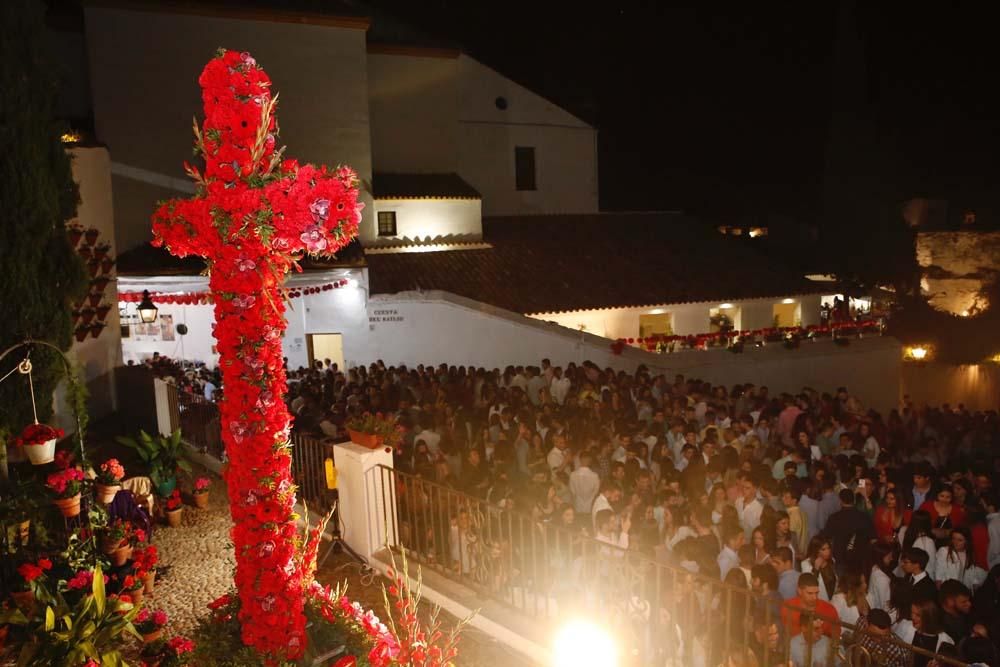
x: 725, y: 306
x: 583, y: 644
x: 657, y: 311
x: 919, y: 353
x: 787, y: 301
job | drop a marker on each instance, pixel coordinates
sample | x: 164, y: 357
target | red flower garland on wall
x: 253, y: 215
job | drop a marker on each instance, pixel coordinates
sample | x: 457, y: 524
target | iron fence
x: 309, y: 470
x: 198, y: 419
x: 660, y: 613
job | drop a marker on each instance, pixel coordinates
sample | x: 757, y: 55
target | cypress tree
x: 40, y: 273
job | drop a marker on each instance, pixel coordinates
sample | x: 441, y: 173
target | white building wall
x: 436, y: 327
x: 196, y: 345
x: 434, y: 217
x: 97, y: 356
x: 688, y: 318
x: 414, y: 112
x: 144, y: 68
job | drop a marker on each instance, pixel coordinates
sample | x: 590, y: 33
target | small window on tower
x: 524, y: 167
x: 387, y: 223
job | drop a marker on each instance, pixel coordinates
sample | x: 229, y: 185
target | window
x: 524, y: 167
x: 387, y: 223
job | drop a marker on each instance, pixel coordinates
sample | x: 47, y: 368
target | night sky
x: 728, y: 110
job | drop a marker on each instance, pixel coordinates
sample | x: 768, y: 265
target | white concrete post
x: 367, y: 497
x: 163, y: 420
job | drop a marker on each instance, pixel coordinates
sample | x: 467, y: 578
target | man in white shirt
x: 559, y: 387
x: 584, y: 484
x: 535, y: 384
x: 611, y: 493
x: 748, y: 505
x: 557, y: 458
x: 993, y: 526
x: 728, y: 558
x: 430, y: 437
x: 621, y: 451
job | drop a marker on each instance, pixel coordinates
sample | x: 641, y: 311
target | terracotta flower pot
x: 106, y: 264
x: 100, y: 283
x: 137, y: 596
x: 93, y: 266
x: 74, y: 236
x: 25, y: 601
x: 369, y: 440
x: 102, y: 311
x: 148, y: 582
x: 106, y: 493
x: 41, y: 454
x: 87, y: 315
x: 94, y: 298
x: 95, y: 329
x: 91, y: 236
x: 201, y: 500
x: 121, y: 555
x: 174, y: 517
x: 151, y: 662
x: 109, y: 546
x: 100, y: 252
x: 151, y: 637
x: 81, y: 334
x: 24, y: 531
x: 85, y: 251
x: 68, y: 507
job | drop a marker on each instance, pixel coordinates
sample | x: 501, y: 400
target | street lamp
x: 147, y: 309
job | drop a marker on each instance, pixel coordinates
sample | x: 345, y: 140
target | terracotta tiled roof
x: 541, y: 264
x: 422, y: 186
x: 145, y: 260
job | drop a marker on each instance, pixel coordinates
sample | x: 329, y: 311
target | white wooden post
x: 367, y: 497
x: 164, y: 424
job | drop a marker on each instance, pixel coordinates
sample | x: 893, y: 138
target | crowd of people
x: 871, y: 526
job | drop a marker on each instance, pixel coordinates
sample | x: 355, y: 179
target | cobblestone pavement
x: 200, y: 557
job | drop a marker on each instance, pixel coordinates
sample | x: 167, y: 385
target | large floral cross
x: 253, y: 215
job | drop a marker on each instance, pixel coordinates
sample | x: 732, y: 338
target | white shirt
x: 727, y: 560
x: 600, y: 503
x: 878, y: 589
x: 847, y: 614
x: 993, y: 553
x: 749, y: 514
x: 559, y: 389
x: 556, y: 458
x: 432, y: 440
x: 949, y: 565
x: 927, y: 544
x: 584, y: 484
x: 824, y: 594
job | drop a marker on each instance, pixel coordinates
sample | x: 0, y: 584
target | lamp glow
x: 583, y: 644
x: 657, y: 311
x: 919, y: 353
x: 725, y: 306
x: 787, y: 301
x: 147, y: 309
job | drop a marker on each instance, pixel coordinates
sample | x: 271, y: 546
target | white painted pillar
x: 163, y: 420
x: 367, y: 497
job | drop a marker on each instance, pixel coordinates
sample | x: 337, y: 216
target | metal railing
x: 658, y: 611
x: 198, y: 419
x: 309, y: 470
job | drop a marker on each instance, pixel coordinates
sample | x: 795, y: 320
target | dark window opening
x: 387, y: 223
x: 524, y: 167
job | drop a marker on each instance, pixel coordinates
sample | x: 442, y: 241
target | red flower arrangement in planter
x: 374, y: 430
x: 200, y: 492
x: 109, y: 480
x: 65, y: 485
x: 254, y: 215
x: 150, y: 624
x: 39, y: 442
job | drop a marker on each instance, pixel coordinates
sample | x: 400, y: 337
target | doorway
x: 324, y: 346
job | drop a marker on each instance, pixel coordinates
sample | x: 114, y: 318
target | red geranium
x: 174, y: 501
x: 38, y: 434
x: 65, y: 483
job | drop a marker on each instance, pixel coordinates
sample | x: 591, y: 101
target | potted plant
x: 373, y: 430
x: 109, y: 481
x: 65, y: 486
x: 102, y: 311
x: 64, y: 634
x: 85, y: 251
x: 144, y: 560
x: 106, y: 264
x: 164, y: 456
x: 96, y: 328
x: 150, y: 624
x: 174, y: 509
x: 86, y: 315
x: 75, y: 232
x: 93, y: 266
x: 101, y: 250
x: 115, y: 542
x: 30, y: 577
x: 91, y: 235
x: 200, y: 492
x: 39, y: 442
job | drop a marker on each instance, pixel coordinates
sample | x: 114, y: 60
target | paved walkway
x: 200, y: 556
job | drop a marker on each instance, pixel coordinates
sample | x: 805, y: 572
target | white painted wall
x: 98, y: 356
x: 414, y: 111
x: 144, y: 68
x: 195, y: 346
x: 434, y: 217
x: 975, y: 385
x: 688, y: 318
x: 436, y: 327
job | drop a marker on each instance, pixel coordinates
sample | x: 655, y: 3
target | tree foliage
x: 41, y: 272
